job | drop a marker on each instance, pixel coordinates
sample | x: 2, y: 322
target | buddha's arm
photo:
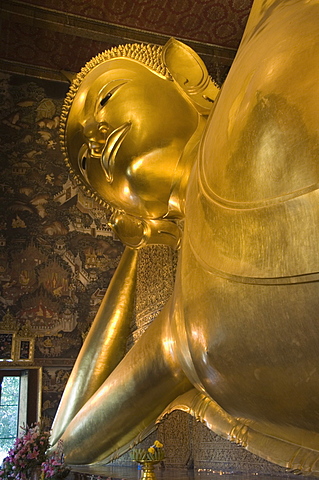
x: 104, y: 346
x: 126, y: 406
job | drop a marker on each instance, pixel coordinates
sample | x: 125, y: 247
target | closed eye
x: 83, y: 160
x: 106, y: 97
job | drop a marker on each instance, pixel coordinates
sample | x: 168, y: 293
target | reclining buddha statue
x: 230, y: 177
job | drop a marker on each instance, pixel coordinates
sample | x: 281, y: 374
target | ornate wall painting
x: 7, y: 347
x: 15, y: 349
x: 53, y: 383
x: 24, y: 349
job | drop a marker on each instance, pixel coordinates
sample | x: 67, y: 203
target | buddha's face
x: 126, y: 130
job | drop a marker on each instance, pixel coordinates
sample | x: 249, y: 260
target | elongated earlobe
x: 189, y: 71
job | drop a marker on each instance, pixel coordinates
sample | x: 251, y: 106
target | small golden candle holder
x: 148, y: 472
x: 147, y: 458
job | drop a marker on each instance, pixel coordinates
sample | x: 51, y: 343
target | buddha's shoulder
x: 262, y: 139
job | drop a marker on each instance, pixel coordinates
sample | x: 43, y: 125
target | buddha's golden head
x: 126, y: 121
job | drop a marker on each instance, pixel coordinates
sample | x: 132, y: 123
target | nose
x: 95, y: 131
x: 103, y: 128
x: 96, y: 134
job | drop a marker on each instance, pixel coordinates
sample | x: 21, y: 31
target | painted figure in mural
x: 237, y: 343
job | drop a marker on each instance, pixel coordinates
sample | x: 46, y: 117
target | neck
x: 176, y: 204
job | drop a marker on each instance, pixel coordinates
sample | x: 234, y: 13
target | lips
x: 111, y: 147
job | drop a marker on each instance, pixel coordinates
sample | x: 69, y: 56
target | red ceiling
x: 219, y: 22
x: 55, y: 35
x: 32, y: 45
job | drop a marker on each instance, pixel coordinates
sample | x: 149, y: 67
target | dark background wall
x: 57, y: 254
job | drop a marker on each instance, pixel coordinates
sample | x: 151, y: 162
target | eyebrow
x: 123, y: 80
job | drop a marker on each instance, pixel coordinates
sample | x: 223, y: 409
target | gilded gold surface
x: 105, y: 343
x: 237, y: 344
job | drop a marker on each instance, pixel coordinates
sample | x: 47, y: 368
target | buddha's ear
x: 190, y: 72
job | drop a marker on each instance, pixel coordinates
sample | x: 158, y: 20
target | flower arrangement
x: 155, y: 453
x: 54, y: 467
x: 28, y: 452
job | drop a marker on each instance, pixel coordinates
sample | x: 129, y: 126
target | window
x: 9, y: 412
x: 19, y: 404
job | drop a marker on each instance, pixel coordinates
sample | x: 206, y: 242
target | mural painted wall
x: 57, y: 253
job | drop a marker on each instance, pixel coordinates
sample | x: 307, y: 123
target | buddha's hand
x: 137, y: 232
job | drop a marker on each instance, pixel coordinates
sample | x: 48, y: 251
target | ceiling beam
x: 70, y: 24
